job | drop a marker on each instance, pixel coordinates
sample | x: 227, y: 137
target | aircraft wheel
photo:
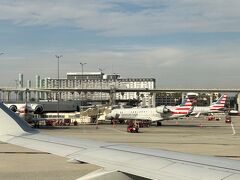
x: 121, y: 121
x: 159, y: 123
x: 36, y: 125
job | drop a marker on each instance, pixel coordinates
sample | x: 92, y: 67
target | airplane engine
x: 13, y: 108
x: 162, y: 109
x: 38, y: 109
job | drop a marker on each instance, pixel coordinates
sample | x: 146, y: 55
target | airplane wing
x: 130, y: 162
x: 198, y: 114
x: 147, y: 118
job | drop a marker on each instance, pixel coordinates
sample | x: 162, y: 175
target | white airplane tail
x: 220, y: 104
x: 186, y: 102
x: 12, y: 124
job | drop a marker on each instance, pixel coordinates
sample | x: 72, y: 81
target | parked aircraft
x: 118, y: 161
x: 36, y: 108
x: 234, y: 113
x: 27, y: 111
x: 157, y: 114
x: 216, y: 107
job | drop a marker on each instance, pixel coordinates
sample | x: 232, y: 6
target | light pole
x: 115, y: 87
x: 0, y: 93
x: 82, y: 64
x: 16, y: 82
x: 26, y: 95
x: 58, y: 57
x: 101, y: 70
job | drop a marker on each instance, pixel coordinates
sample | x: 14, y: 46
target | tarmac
x: 189, y: 135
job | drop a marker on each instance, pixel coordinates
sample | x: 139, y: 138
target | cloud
x: 171, y: 66
x: 133, y: 59
x: 127, y: 18
x: 174, y: 60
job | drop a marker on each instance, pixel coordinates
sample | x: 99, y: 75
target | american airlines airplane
x: 118, y: 161
x: 216, y: 107
x: 157, y: 114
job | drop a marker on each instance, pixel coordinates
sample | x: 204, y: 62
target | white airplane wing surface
x: 130, y: 162
x: 198, y: 114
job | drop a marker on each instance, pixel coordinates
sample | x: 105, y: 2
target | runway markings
x: 233, y: 129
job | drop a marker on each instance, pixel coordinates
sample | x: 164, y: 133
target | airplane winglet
x: 11, y: 123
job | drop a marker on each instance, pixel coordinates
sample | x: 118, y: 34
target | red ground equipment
x: 133, y: 127
x: 228, y: 119
x: 213, y: 118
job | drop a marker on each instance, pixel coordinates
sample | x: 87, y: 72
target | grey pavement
x: 189, y: 135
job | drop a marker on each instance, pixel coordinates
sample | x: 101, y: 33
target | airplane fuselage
x: 152, y: 114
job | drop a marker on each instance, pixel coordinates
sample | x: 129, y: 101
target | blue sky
x: 181, y: 43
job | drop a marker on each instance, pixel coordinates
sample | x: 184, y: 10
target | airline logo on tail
x: 220, y: 104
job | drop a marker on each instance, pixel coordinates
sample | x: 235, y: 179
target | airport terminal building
x: 97, y: 80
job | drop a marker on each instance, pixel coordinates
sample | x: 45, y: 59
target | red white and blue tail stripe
x: 185, y: 108
x: 187, y: 102
x: 220, y: 104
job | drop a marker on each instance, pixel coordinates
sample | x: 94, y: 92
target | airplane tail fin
x: 187, y: 102
x: 220, y: 104
x: 11, y: 123
x: 185, y: 108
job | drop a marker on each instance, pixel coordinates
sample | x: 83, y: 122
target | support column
x: 49, y: 96
x: 60, y: 96
x: 8, y: 95
x: 122, y: 94
x: 154, y: 100
x: 16, y: 95
x: 183, y: 97
x: 238, y: 101
x: 3, y: 96
x: 111, y: 98
x: 55, y: 96
x: 211, y: 98
x: 29, y: 96
x: 114, y: 96
x: 36, y: 94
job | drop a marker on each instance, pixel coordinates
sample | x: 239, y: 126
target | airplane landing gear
x: 159, y: 123
x: 36, y: 124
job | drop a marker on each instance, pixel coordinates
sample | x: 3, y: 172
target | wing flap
x: 106, y: 175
